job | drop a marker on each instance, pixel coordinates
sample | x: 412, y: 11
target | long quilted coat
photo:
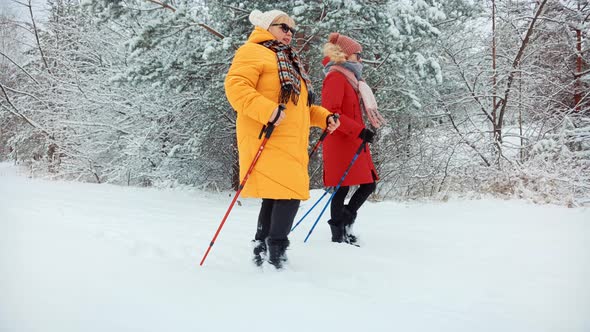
x: 252, y: 87
x: 338, y: 96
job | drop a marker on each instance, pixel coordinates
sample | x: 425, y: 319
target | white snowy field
x: 86, y: 257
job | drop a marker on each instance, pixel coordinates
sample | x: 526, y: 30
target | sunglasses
x: 286, y: 28
x: 358, y: 56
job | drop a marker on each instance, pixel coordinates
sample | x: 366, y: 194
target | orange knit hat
x: 347, y: 44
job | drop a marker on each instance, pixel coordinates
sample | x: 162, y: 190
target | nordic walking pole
x: 336, y: 116
x: 308, y: 211
x: 324, y: 134
x: 267, y: 130
x: 358, y: 152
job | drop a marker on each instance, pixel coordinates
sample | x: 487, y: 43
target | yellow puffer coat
x: 252, y: 87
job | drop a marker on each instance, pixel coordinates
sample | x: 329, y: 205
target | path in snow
x: 85, y: 257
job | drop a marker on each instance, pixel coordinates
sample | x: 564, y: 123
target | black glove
x: 367, y: 135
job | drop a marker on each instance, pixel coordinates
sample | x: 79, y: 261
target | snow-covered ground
x: 84, y: 257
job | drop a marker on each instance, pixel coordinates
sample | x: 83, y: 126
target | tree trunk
x: 515, y: 65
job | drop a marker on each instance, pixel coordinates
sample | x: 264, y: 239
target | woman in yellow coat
x: 265, y: 73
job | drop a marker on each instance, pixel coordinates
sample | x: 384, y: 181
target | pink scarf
x: 367, y: 99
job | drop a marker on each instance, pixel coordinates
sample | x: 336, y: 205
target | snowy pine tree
x: 131, y: 92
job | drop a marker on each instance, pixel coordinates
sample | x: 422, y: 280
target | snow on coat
x: 252, y: 87
x: 338, y: 96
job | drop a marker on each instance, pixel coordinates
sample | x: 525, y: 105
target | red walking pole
x: 323, y: 136
x: 268, y: 131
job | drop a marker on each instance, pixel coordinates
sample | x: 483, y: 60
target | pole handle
x: 268, y: 128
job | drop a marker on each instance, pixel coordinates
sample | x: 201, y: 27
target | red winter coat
x: 338, y: 96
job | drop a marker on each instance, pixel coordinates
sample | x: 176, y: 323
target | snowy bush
x: 131, y: 92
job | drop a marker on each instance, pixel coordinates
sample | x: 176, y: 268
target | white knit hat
x: 264, y: 20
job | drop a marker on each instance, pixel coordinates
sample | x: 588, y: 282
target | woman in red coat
x: 341, y: 93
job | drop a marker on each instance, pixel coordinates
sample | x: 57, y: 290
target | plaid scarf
x: 290, y: 73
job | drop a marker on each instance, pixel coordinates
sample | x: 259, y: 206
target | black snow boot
x: 337, y: 228
x: 277, y: 252
x: 259, y: 252
x: 348, y: 218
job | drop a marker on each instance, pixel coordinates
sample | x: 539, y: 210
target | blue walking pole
x: 308, y: 211
x: 358, y: 152
x: 322, y: 137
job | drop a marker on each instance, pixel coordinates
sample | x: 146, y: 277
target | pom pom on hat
x: 264, y: 20
x: 347, y: 44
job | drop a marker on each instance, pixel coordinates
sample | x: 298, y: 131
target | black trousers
x: 276, y: 218
x: 356, y: 201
